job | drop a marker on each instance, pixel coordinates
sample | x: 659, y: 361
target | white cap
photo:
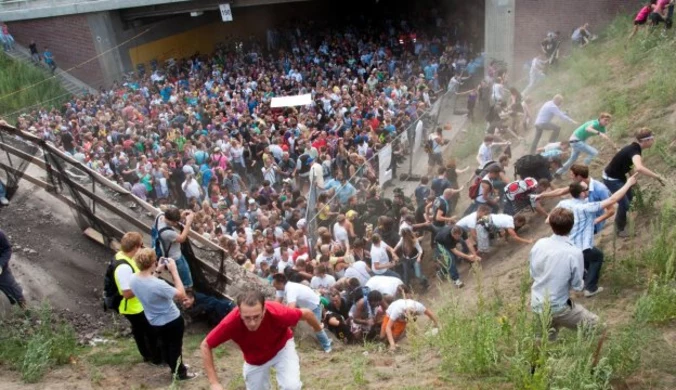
x: 301, y: 223
x: 251, y: 201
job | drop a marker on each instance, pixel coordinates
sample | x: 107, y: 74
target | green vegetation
x: 34, y: 341
x: 19, y: 76
x: 498, y: 340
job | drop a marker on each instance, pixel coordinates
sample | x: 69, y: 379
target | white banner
x: 384, y: 162
x: 289, y: 101
x: 418, y: 135
x: 226, y: 13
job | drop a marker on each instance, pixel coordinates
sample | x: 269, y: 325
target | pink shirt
x: 642, y: 14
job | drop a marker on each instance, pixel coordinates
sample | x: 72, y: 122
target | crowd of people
x: 199, y: 139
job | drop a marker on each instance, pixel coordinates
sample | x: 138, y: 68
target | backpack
x: 111, y: 294
x: 520, y: 189
x: 435, y: 207
x: 155, y: 239
x: 532, y: 165
x: 429, y: 146
x: 305, y: 163
x: 475, y: 187
x: 479, y: 174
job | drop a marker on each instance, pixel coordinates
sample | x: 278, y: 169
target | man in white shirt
x: 469, y: 222
x: 494, y: 224
x: 301, y: 296
x: 543, y: 121
x: 536, y: 72
x: 397, y: 316
x: 557, y: 266
x: 322, y: 281
x: 485, y: 153
x: 359, y: 270
x: 380, y: 260
x: 386, y: 285
x: 191, y: 188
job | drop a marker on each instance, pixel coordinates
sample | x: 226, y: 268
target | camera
x: 164, y: 261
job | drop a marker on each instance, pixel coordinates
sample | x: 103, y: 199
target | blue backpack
x: 155, y: 240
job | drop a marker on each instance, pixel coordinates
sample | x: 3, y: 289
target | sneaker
x: 589, y: 294
x: 622, y: 233
x: 328, y: 350
x: 188, y: 376
x: 459, y: 284
x: 4, y: 201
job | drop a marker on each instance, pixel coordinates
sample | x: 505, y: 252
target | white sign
x: 384, y: 162
x: 417, y: 140
x: 226, y: 13
x: 290, y: 101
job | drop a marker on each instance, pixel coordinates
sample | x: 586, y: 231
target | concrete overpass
x: 103, y: 40
x: 16, y: 10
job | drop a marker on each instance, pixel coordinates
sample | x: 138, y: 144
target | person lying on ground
x: 215, y: 309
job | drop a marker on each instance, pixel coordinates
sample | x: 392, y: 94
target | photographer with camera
x: 171, y: 240
x: 157, y: 298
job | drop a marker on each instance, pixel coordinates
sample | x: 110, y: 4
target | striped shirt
x: 585, y: 213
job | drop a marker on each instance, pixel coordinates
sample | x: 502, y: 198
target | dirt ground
x: 52, y: 259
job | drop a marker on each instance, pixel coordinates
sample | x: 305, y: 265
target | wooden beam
x: 100, y: 179
x: 210, y: 268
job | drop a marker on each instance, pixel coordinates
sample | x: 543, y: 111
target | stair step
x: 22, y: 54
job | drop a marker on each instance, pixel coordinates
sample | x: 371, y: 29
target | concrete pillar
x: 103, y: 26
x: 499, y: 37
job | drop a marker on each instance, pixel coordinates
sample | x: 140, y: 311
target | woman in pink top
x: 642, y: 17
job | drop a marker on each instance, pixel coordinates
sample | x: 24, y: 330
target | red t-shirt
x: 262, y: 345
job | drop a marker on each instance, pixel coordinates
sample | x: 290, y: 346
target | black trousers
x: 145, y: 337
x: 593, y: 261
x: 11, y: 287
x: 170, y: 336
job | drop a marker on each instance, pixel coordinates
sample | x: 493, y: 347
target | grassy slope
x: 15, y: 76
x: 488, y: 337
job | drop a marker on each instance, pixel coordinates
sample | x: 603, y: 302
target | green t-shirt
x: 582, y: 134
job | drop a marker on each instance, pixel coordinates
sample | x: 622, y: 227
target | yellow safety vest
x: 132, y: 305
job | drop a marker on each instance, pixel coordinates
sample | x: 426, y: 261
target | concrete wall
x: 499, y: 25
x: 534, y: 18
x: 183, y: 35
x: 94, y: 37
x: 70, y: 40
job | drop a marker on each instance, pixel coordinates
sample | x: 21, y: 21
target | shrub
x: 19, y: 76
x: 35, y: 340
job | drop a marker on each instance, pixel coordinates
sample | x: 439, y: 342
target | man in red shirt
x: 263, y: 332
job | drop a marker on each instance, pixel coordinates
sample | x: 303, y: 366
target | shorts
x: 398, y: 327
x: 435, y: 159
x: 640, y: 22
x: 656, y: 18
